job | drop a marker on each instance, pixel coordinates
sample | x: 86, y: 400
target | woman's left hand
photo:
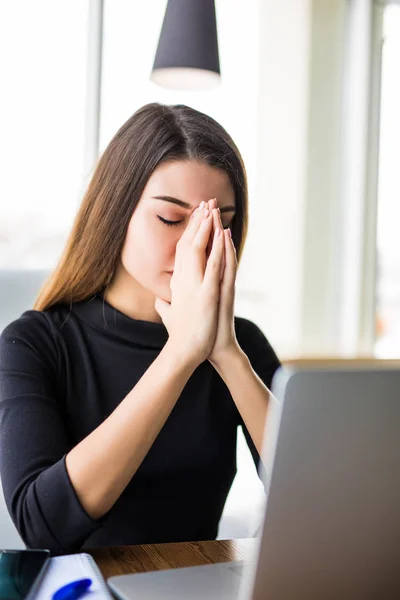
x: 225, y: 340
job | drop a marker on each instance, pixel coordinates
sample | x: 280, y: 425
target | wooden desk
x: 153, y: 557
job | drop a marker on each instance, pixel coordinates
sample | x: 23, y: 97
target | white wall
x: 273, y: 258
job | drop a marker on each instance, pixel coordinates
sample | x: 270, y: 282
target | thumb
x: 162, y: 307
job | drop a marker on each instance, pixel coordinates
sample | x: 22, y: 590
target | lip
x: 170, y: 272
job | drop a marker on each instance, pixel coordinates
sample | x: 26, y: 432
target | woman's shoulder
x: 26, y: 327
x: 256, y: 345
x: 33, y: 323
x: 34, y: 332
x: 249, y: 333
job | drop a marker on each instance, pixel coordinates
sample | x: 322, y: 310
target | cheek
x: 149, y: 247
x: 163, y: 239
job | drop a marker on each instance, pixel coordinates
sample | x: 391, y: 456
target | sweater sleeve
x: 37, y: 489
x: 264, y: 362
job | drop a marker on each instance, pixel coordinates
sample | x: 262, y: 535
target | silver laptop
x: 331, y: 525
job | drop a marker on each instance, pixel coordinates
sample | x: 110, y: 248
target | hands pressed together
x: 200, y: 316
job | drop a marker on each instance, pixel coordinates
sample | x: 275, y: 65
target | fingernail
x: 229, y: 232
x: 202, y: 205
x: 206, y: 212
x: 217, y: 232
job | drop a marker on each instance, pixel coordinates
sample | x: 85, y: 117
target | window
x: 42, y: 123
x: 387, y: 344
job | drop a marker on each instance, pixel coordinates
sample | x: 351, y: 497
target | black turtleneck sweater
x: 62, y: 372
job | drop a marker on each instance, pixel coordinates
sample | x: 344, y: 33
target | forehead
x: 192, y: 182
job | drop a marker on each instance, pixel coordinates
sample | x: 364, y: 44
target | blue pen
x: 72, y: 590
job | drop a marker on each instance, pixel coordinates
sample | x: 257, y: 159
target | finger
x: 212, y: 272
x: 194, y: 223
x: 211, y: 204
x: 217, y: 218
x: 230, y: 261
x: 218, y: 223
x: 162, y: 307
x: 202, y: 236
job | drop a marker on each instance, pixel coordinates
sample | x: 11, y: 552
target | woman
x: 121, y: 393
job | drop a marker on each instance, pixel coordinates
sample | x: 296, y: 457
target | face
x: 174, y: 190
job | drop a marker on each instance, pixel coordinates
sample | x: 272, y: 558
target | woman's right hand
x: 192, y: 316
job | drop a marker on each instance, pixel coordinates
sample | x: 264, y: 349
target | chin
x: 162, y: 291
x: 154, y: 286
x: 166, y: 295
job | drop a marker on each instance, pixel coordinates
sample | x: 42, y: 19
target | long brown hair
x: 154, y: 134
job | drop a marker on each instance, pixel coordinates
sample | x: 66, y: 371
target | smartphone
x: 21, y: 572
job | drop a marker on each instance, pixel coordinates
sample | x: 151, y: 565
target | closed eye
x: 172, y: 223
x: 169, y: 223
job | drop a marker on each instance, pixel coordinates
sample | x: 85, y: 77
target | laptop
x: 331, y: 526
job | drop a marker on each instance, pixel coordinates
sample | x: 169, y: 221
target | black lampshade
x: 187, y: 53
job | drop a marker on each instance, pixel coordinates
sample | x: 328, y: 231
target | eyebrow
x: 183, y: 204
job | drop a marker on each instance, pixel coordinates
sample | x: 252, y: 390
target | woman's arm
x: 247, y: 389
x: 101, y: 465
x: 51, y: 505
x: 249, y: 393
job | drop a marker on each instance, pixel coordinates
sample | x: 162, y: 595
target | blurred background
x: 309, y: 91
